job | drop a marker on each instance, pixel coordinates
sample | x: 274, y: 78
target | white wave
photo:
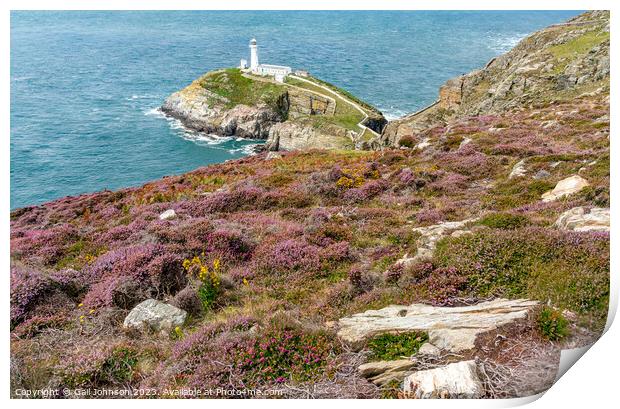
x: 249, y: 149
x: 135, y: 96
x: 505, y: 43
x: 155, y: 112
x: 201, y: 138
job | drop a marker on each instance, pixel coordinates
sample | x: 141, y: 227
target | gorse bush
x: 552, y: 324
x: 208, y: 278
x: 387, y: 347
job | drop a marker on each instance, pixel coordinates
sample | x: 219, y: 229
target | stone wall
x: 308, y: 103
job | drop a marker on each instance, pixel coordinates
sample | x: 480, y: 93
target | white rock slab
x: 454, y: 329
x: 578, y: 219
x: 456, y: 381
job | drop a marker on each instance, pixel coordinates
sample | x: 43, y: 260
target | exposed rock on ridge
x: 557, y: 61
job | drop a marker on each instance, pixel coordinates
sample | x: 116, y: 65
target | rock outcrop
x: 458, y: 380
x: 565, y: 187
x: 155, y: 316
x: 289, y: 136
x: 453, y: 329
x: 555, y: 61
x: 205, y: 111
x: 430, y: 235
x: 583, y: 219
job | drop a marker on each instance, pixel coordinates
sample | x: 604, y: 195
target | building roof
x: 253, y: 41
x: 283, y: 67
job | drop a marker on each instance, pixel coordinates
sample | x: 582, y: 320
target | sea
x: 86, y: 85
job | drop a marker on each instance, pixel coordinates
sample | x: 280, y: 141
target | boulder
x: 453, y: 329
x: 155, y: 315
x: 582, y: 219
x: 168, y: 214
x: 458, y: 380
x: 565, y: 187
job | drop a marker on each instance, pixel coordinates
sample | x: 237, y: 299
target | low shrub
x: 569, y: 269
x: 552, y: 324
x: 387, y: 347
x: 408, y: 141
x: 506, y: 221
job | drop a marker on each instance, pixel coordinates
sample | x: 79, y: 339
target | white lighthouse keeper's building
x: 279, y: 72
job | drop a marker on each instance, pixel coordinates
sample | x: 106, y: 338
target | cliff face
x: 296, y: 115
x: 554, y: 64
x: 205, y: 110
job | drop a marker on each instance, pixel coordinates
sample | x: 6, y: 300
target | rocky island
x: 298, y: 113
x: 454, y: 258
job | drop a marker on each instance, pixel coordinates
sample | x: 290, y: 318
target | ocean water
x: 85, y: 86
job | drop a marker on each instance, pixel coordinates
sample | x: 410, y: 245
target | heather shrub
x: 360, y: 281
x: 571, y: 270
x: 28, y: 287
x: 388, y: 347
x: 506, y: 221
x: 468, y: 161
x: 188, y: 300
x: 127, y: 274
x: 99, y: 367
x: 285, y: 355
x: 48, y: 246
x: 35, y: 325
x: 287, y: 256
x: 442, y: 286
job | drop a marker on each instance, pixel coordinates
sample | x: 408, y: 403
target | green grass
x: 506, y: 221
x: 388, y: 347
x: 237, y: 89
x: 566, y: 52
x: 345, y: 116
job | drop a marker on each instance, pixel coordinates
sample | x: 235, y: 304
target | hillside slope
x: 271, y: 256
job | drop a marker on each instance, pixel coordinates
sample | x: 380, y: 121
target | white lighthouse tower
x: 253, y: 55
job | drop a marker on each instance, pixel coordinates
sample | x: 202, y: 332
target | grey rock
x: 154, y: 315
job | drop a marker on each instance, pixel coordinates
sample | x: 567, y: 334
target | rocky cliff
x: 555, y: 64
x: 300, y: 114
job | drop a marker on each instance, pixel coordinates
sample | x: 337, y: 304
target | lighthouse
x: 253, y: 55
